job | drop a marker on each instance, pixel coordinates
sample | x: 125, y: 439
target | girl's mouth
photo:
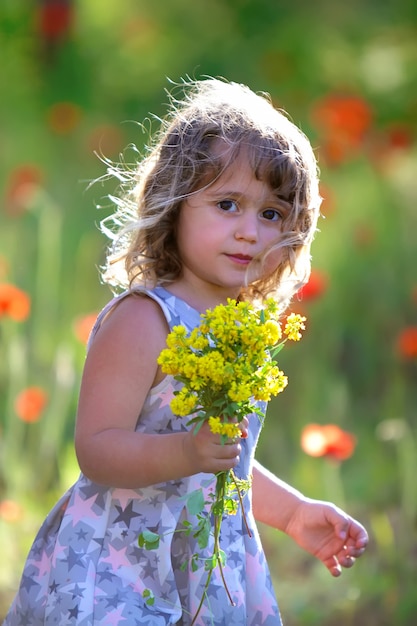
x: 241, y: 259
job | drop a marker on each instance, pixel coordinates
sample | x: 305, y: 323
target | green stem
x: 203, y: 595
x: 217, y: 526
x: 219, y: 502
x: 241, y: 504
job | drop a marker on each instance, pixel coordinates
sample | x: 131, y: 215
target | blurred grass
x: 81, y: 90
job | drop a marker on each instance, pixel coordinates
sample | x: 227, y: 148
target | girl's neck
x: 198, y: 299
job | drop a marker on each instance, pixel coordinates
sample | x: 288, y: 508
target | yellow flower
x: 272, y: 308
x: 273, y: 332
x: 239, y: 392
x: 229, y: 429
x: 197, y: 340
x: 293, y: 325
x: 226, y: 360
x: 183, y: 403
x: 243, y: 307
x: 188, y: 366
x: 176, y: 337
x: 215, y: 425
x: 168, y: 361
x: 211, y: 367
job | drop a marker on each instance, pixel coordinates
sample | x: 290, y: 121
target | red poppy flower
x: 10, y: 511
x: 346, y: 115
x: 83, y: 326
x: 364, y: 235
x: 316, y: 286
x: 14, y: 302
x: 327, y: 440
x: 407, y: 342
x: 21, y: 187
x: 55, y: 18
x: 30, y: 403
x: 400, y: 136
x: 105, y: 139
x: 64, y: 117
x: 335, y: 150
x: 343, y: 121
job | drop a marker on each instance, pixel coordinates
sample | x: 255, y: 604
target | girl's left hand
x: 327, y: 533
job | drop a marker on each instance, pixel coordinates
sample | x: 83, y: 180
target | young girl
x: 225, y: 205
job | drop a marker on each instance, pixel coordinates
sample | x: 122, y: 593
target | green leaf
x: 277, y: 349
x: 188, y: 528
x: 210, y: 563
x: 203, y: 532
x: 222, y: 557
x: 194, y: 564
x: 198, y: 425
x: 195, y: 502
x: 148, y: 597
x: 221, y: 402
x: 230, y: 506
x: 149, y: 540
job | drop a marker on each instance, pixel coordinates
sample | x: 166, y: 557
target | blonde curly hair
x: 181, y: 161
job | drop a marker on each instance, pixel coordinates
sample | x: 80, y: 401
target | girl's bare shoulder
x: 136, y: 320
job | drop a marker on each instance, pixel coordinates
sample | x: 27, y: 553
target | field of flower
x: 75, y: 77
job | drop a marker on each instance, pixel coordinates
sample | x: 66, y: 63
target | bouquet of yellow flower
x: 226, y: 365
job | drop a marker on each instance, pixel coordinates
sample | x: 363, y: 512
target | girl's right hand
x: 207, y: 453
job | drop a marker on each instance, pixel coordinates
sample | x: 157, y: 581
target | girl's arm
x: 321, y: 528
x: 119, y: 371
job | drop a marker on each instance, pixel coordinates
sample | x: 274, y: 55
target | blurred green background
x: 75, y: 77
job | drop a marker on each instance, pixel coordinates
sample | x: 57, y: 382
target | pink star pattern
x: 81, y: 509
x: 44, y: 564
x: 166, y: 396
x: 59, y: 549
x: 115, y: 617
x: 116, y: 558
x: 267, y: 605
x: 124, y: 496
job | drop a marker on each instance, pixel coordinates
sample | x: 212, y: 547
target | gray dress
x: 85, y: 567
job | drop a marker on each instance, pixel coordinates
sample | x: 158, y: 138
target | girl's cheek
x: 273, y: 261
x: 266, y: 267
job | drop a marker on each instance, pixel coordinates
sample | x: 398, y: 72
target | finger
x: 333, y: 566
x: 362, y: 540
x: 354, y: 552
x: 353, y: 535
x: 227, y: 451
x: 227, y: 455
x: 357, y: 535
x: 346, y: 560
x: 244, y: 427
x: 223, y: 465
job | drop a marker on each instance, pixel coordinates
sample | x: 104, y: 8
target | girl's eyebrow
x: 272, y: 199
x: 228, y: 193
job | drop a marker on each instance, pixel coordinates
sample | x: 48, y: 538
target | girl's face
x: 223, y: 232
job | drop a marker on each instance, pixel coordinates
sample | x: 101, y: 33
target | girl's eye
x: 272, y: 215
x: 228, y: 205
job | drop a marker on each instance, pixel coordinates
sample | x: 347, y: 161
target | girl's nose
x: 247, y: 228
